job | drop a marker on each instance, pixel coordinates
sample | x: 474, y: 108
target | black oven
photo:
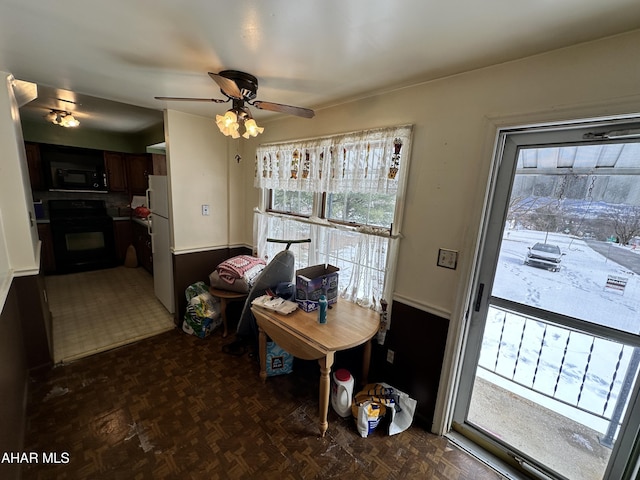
x: 83, y: 237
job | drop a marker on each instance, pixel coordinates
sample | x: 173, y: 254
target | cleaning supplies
x: 342, y: 392
x: 322, y: 309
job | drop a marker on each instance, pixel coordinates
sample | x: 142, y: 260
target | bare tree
x: 626, y: 223
x: 547, y: 218
x: 519, y: 206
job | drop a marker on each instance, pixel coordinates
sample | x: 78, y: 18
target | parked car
x: 544, y: 255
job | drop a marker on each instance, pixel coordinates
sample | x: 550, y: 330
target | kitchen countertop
x: 142, y: 221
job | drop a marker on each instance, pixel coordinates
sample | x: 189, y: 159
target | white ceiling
x: 305, y: 53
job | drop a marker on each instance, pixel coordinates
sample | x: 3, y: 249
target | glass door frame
x: 625, y: 455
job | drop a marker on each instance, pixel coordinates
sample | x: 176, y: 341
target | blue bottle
x: 322, y: 309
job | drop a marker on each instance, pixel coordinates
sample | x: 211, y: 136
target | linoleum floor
x: 103, y: 309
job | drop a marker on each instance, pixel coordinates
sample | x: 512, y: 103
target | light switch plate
x: 447, y: 258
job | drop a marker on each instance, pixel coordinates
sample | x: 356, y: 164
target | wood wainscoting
x: 36, y: 321
x: 14, y: 377
x: 418, y: 340
x: 189, y: 268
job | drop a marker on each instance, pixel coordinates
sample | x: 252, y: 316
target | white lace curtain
x: 362, y: 258
x: 371, y: 161
x: 364, y: 162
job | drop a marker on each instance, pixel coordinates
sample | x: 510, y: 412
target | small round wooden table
x: 299, y: 333
x: 226, y: 296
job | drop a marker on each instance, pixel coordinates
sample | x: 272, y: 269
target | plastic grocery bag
x: 375, y: 401
x: 279, y: 361
x: 203, y: 311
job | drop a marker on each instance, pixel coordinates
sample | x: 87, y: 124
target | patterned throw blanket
x: 242, y: 266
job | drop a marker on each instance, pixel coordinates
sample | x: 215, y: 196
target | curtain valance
x: 365, y: 162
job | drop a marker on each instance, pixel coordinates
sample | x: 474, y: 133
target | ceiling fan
x: 241, y: 89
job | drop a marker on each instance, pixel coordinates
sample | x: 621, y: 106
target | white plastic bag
x: 375, y: 401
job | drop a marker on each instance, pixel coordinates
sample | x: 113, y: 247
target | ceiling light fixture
x: 62, y: 118
x: 229, y: 123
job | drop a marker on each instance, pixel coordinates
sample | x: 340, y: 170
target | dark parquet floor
x: 176, y: 407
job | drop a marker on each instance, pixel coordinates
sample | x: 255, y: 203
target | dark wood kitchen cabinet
x: 114, y: 165
x: 159, y: 164
x: 47, y: 257
x: 34, y: 162
x: 142, y: 244
x: 123, y: 234
x: 139, y: 167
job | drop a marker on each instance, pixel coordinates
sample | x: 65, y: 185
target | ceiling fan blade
x: 228, y: 87
x: 288, y: 109
x: 188, y: 99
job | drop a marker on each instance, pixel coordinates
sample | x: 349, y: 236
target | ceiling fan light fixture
x: 70, y: 121
x: 229, y: 123
x: 62, y: 118
x: 226, y: 120
x: 51, y: 116
x: 252, y: 129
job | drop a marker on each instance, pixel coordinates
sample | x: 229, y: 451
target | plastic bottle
x: 342, y: 392
x: 322, y: 309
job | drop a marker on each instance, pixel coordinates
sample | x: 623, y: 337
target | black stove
x: 83, y: 236
x: 70, y: 209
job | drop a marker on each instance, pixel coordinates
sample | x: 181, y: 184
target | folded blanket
x: 241, y: 266
x: 240, y: 285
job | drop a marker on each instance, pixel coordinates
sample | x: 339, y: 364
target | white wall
x: 20, y: 250
x: 454, y: 127
x: 237, y: 195
x: 197, y: 166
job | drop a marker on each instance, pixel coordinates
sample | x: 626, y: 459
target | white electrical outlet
x: 447, y: 258
x: 205, y: 209
x: 391, y: 355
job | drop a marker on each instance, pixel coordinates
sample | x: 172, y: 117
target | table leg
x: 262, y: 351
x: 366, y: 361
x: 325, y: 383
x: 223, y: 313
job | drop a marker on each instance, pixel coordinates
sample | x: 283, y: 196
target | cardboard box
x: 311, y: 282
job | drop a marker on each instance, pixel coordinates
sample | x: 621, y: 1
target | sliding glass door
x: 549, y: 378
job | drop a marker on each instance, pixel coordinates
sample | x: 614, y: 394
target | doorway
x: 548, y: 379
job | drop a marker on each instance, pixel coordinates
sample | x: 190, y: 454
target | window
x: 292, y: 202
x: 372, y: 209
x: 345, y: 193
x: 351, y: 208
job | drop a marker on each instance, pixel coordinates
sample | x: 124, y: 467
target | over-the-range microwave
x: 73, y: 168
x: 87, y: 178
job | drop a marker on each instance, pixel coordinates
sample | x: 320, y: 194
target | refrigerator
x: 160, y: 232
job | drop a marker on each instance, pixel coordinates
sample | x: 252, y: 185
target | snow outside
x: 587, y: 377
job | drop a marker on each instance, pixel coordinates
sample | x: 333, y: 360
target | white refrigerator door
x: 158, y: 196
x: 162, y: 262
